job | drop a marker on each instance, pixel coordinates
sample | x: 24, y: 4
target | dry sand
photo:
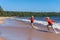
x: 22, y: 31
x: 4, y: 18
x: 1, y: 19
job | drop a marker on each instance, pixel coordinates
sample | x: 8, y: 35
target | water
x: 56, y: 19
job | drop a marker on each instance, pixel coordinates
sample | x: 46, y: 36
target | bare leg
x: 53, y: 29
x: 48, y: 27
x: 32, y: 25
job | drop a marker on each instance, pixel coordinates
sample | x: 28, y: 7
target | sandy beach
x: 17, y: 30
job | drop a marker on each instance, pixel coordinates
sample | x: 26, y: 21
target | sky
x: 31, y: 5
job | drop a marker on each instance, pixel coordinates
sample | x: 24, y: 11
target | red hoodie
x: 50, y: 21
x: 32, y: 19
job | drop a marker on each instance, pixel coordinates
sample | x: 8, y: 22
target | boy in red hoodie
x: 50, y: 23
x: 32, y: 20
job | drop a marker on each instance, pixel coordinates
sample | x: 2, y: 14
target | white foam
x: 35, y: 21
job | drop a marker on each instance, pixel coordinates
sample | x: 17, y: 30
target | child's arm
x: 53, y: 21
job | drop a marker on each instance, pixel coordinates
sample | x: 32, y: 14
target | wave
x: 56, y: 25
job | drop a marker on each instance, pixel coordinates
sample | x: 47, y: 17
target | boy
x: 50, y: 23
x: 32, y: 20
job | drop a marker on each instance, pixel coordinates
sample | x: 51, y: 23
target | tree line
x: 27, y: 14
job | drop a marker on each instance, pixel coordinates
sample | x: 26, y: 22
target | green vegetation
x: 25, y: 14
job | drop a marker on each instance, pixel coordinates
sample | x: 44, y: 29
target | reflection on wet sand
x: 17, y: 30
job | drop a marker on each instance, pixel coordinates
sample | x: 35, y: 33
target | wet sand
x: 18, y: 30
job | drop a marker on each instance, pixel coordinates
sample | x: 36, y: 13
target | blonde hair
x: 32, y: 16
x: 48, y: 17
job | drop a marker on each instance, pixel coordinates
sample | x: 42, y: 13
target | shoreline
x: 22, y: 31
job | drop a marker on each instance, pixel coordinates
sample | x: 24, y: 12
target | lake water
x: 56, y: 19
